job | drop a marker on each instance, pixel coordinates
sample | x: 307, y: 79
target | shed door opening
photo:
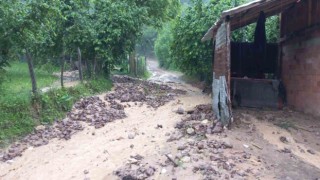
x: 255, y: 71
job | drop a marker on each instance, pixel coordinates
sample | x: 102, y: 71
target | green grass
x: 18, y: 80
x: 20, y: 112
x: 16, y: 117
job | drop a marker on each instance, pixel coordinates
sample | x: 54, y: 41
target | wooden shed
x: 287, y: 72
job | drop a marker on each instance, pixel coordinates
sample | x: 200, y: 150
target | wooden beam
x: 249, y: 13
x: 309, y: 12
x: 252, y: 15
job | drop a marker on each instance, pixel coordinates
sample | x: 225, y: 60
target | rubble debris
x: 94, y: 111
x: 200, y: 121
x: 175, y: 137
x: 129, y: 89
x: 311, y: 152
x: 97, y: 113
x: 131, y: 136
x: 186, y: 159
x: 137, y: 157
x: 180, y: 110
x: 284, y: 139
x: 286, y: 150
x: 135, y: 172
x: 218, y: 128
x: 190, y: 131
x: 41, y: 136
x: 171, y: 160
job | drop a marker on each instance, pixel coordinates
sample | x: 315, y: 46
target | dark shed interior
x: 246, y: 63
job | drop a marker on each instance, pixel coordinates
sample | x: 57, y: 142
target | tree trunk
x: 94, y: 66
x: 145, y: 64
x: 88, y: 67
x: 62, y: 68
x: 132, y: 62
x: 80, y: 65
x: 31, y: 72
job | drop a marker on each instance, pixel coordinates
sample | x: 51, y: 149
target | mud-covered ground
x: 165, y: 129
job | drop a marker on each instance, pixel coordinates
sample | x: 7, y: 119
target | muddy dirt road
x: 163, y: 76
x: 167, y: 135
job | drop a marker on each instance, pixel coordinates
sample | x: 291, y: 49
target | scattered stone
x: 311, y: 151
x: 159, y: 126
x: 179, y: 125
x: 186, y: 159
x: 40, y: 128
x: 286, y: 150
x: 217, y: 128
x: 227, y: 145
x: 163, y: 171
x: 10, y: 162
x: 205, y: 122
x: 180, y: 110
x: 137, y: 157
x: 134, y: 172
x: 182, y: 147
x: 284, y: 139
x: 242, y: 173
x: 131, y: 136
x: 246, y: 146
x: 86, y: 172
x: 97, y: 113
x: 190, y: 131
x: 175, y: 137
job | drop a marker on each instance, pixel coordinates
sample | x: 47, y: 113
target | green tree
x: 29, y: 30
x: 162, y: 46
x: 190, y: 55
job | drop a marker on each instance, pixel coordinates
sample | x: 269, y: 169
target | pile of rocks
x: 129, y: 89
x: 212, y: 158
x: 94, y: 111
x: 135, y: 169
x: 41, y: 136
x: 199, y: 121
x: 97, y: 113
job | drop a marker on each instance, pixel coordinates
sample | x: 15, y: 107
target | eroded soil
x: 144, y: 130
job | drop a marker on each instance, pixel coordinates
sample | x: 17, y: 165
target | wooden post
x: 62, y: 69
x: 94, y: 66
x: 221, y: 103
x: 132, y: 63
x: 31, y: 72
x: 80, y: 65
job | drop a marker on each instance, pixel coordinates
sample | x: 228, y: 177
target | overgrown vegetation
x: 95, y: 35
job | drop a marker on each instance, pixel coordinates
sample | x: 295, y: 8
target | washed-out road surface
x: 169, y: 134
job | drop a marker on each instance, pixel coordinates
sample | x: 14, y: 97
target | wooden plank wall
x: 221, y: 75
x: 303, y: 15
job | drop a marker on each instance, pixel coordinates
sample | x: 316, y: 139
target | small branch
x: 257, y: 146
x: 172, y: 160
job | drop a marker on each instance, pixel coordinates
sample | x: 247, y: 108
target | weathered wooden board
x: 221, y: 74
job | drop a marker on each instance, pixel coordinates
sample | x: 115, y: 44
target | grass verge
x: 20, y: 112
